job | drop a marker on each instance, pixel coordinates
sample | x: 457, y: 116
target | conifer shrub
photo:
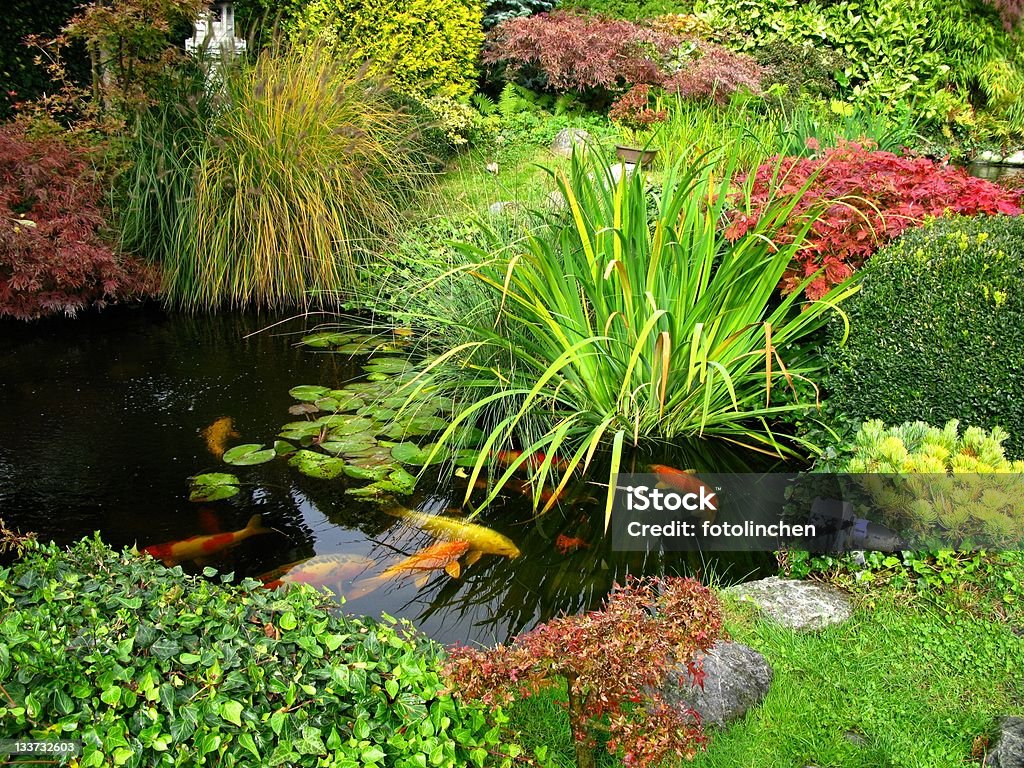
x: 934, y: 332
x: 150, y: 667
x: 426, y: 47
x: 941, y: 486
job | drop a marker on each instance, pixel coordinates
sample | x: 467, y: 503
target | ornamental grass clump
x: 303, y: 173
x: 630, y: 320
x: 614, y: 663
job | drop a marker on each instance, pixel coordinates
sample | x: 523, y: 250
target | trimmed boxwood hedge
x: 937, y: 332
x: 151, y: 667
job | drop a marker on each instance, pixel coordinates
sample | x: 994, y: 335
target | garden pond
x: 107, y: 416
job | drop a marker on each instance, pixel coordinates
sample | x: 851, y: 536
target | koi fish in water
x: 441, y: 554
x: 173, y: 552
x: 685, y: 480
x: 482, y: 541
x: 508, y: 458
x: 334, y: 569
x: 566, y: 544
x: 217, y: 435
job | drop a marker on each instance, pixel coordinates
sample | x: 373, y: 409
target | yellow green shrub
x: 430, y: 47
x: 928, y: 481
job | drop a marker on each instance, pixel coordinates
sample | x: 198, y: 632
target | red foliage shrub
x: 52, y: 255
x: 1010, y: 11
x: 716, y: 74
x: 865, y: 198
x: 610, y: 659
x: 577, y: 52
x: 633, y: 110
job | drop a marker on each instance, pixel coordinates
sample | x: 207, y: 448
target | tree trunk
x: 577, y: 721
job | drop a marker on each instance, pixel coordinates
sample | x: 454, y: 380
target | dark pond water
x: 100, y: 431
x: 1008, y: 175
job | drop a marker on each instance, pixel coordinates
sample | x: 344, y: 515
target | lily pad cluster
x: 369, y: 431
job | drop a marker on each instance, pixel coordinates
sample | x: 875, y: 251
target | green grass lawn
x: 912, y: 680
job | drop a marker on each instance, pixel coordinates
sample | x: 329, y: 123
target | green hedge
x: 936, y: 331
x: 150, y: 667
x: 430, y: 46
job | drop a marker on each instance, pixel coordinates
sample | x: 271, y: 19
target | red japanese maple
x: 53, y: 257
x: 864, y: 199
x: 614, y: 661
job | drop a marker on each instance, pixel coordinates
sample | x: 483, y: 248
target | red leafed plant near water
x: 53, y: 257
x: 865, y: 198
x: 614, y: 662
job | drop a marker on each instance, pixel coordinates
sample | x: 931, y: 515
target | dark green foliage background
x: 928, y: 341
x: 18, y: 73
x: 150, y: 667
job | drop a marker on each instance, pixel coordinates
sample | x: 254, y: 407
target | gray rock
x: 556, y: 201
x: 795, y: 604
x: 736, y: 678
x: 984, y: 157
x: 501, y: 208
x: 1017, y: 158
x: 567, y: 138
x: 1008, y: 751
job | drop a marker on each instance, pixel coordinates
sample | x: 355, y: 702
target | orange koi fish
x: 523, y: 488
x: 684, y: 480
x: 507, y: 458
x: 566, y: 544
x: 441, y: 554
x: 217, y: 435
x: 320, y: 571
x: 173, y: 552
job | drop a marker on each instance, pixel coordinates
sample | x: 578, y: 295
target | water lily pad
x: 429, y: 423
x: 301, y: 409
x: 410, y: 453
x: 386, y: 365
x: 466, y: 458
x: 346, y: 425
x: 350, y: 445
x: 368, y: 473
x: 281, y: 448
x: 248, y: 454
x: 295, y: 430
x: 318, y: 465
x: 398, y: 481
x: 308, y: 392
x: 213, y: 486
x: 326, y: 339
x: 468, y: 436
x: 383, y: 415
x: 378, y: 376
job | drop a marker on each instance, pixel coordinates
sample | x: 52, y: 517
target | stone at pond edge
x: 736, y: 678
x: 1017, y: 158
x: 501, y: 208
x: 566, y: 139
x: 1008, y: 751
x: 795, y: 604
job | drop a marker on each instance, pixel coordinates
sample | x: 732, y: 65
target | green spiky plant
x: 941, y: 485
x: 630, y: 320
x: 303, y: 171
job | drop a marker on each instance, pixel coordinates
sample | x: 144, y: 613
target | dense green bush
x: 944, y: 56
x: 934, y: 333
x: 801, y: 68
x: 150, y: 667
x: 634, y: 10
x: 429, y: 47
